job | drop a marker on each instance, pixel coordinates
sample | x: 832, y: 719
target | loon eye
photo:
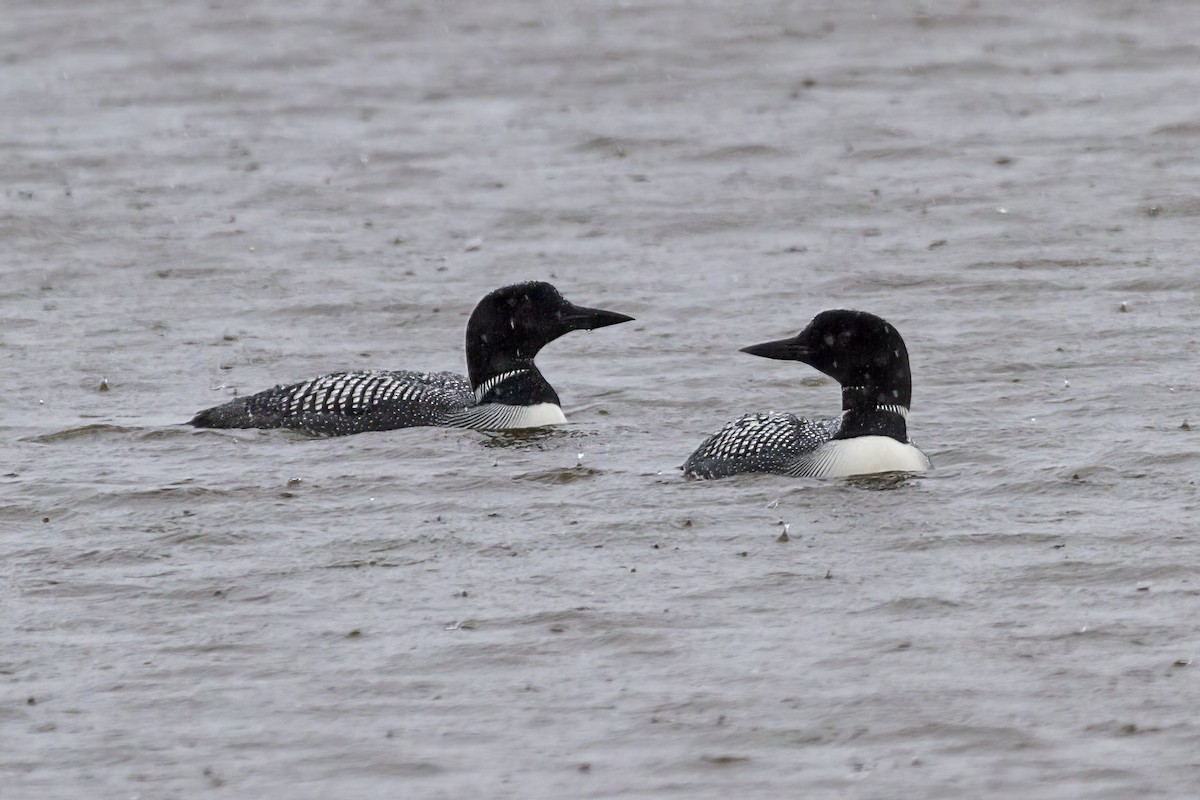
x: 829, y: 340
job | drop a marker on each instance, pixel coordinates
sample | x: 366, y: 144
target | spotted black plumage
x: 503, y: 390
x: 761, y: 443
x: 867, y: 356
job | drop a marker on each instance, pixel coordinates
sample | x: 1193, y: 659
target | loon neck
x: 498, y: 347
x: 523, y: 385
x: 500, y: 367
x: 867, y: 411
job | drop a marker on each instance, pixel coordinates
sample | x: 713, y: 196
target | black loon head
x: 861, y: 351
x: 510, y: 325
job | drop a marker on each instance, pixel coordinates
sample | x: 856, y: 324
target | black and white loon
x: 868, y: 358
x: 504, y: 389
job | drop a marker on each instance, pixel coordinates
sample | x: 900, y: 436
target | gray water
x: 209, y: 197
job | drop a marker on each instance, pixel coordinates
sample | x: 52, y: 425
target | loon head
x: 510, y: 325
x: 861, y: 351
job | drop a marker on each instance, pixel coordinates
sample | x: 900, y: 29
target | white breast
x: 534, y: 416
x: 866, y: 455
x: 503, y: 417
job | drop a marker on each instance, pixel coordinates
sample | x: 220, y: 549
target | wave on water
x: 104, y: 430
x: 94, y: 431
x: 531, y: 438
x: 560, y: 476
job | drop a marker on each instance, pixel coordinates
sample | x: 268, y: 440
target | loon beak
x: 579, y: 318
x: 783, y: 349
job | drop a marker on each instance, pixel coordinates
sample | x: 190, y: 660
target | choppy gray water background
x: 207, y: 196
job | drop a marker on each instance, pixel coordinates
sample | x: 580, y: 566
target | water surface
x: 217, y: 197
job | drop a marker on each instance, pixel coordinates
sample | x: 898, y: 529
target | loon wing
x: 783, y: 444
x: 348, y: 402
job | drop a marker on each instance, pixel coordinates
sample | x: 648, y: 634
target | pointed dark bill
x: 589, y: 319
x: 783, y: 349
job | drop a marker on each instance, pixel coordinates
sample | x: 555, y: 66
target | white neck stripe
x: 495, y: 381
x: 895, y: 408
x: 892, y: 409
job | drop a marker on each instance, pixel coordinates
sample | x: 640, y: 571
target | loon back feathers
x: 505, y: 390
x: 775, y: 443
x: 864, y: 354
x: 347, y: 402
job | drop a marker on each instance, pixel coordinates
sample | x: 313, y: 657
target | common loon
x: 504, y: 389
x: 868, y: 358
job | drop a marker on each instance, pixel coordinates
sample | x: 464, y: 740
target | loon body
x: 503, y: 389
x: 868, y: 358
